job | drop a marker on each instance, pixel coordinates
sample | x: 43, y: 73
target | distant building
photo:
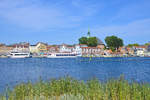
x: 148, y: 48
x: 40, y: 48
x: 21, y: 47
x: 78, y: 49
x: 108, y: 52
x: 95, y: 51
x: 33, y: 49
x: 101, y: 46
x: 131, y: 51
x: 71, y: 48
x: 53, y: 49
x: 5, y: 50
x: 141, y: 50
x: 66, y: 48
x: 123, y: 50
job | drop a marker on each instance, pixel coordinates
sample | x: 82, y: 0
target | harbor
x: 25, y: 50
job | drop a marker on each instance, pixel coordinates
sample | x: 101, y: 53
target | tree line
x: 113, y: 42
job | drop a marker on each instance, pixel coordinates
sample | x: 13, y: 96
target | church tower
x: 88, y: 34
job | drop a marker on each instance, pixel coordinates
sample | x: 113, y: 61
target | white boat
x: 19, y: 55
x: 62, y: 55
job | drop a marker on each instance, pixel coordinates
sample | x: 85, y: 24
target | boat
x: 19, y: 55
x: 63, y: 55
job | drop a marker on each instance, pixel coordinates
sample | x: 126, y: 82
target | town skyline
x: 65, y: 21
x: 49, y: 43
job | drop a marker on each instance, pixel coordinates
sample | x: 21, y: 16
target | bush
x: 70, y: 89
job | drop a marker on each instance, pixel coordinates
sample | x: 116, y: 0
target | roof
x: 142, y: 46
x: 41, y: 43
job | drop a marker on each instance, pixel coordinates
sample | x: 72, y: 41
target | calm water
x: 14, y: 71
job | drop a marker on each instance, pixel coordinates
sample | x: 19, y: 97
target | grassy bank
x: 71, y: 89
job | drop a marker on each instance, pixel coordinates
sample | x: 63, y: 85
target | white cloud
x: 34, y: 15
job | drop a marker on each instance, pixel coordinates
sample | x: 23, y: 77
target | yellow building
x: 38, y: 48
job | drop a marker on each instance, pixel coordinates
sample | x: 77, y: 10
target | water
x: 14, y: 71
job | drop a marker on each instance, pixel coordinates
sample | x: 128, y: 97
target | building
x: 148, y: 48
x: 33, y: 49
x: 21, y: 47
x: 131, y: 51
x: 53, y: 49
x: 123, y: 51
x: 141, y: 50
x: 77, y: 49
x: 5, y: 50
x: 92, y: 51
x: 108, y: 53
x: 101, y: 46
x: 66, y: 48
x: 40, y: 48
x: 71, y: 48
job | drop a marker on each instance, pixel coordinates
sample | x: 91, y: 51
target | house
x: 33, y: 49
x: 102, y: 46
x: 21, y: 47
x: 53, y: 49
x: 5, y: 50
x: 39, y: 48
x: 42, y: 47
x: 131, y: 51
x: 123, y: 50
x: 92, y: 51
x: 108, y: 52
x: 148, y: 48
x: 140, y: 50
x: 77, y: 49
x: 66, y: 48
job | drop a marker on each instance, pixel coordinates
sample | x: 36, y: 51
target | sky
x: 64, y: 21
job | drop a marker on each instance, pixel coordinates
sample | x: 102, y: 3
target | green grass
x: 70, y: 89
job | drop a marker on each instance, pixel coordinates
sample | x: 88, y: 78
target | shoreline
x: 84, y: 57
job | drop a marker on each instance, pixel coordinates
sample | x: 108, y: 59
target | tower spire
x: 88, y: 34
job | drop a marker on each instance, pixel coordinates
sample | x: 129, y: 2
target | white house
x: 140, y: 50
x: 71, y: 49
x: 21, y: 47
x: 78, y: 49
x: 65, y: 48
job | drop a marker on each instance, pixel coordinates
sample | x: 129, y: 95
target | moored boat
x: 62, y: 55
x: 19, y: 55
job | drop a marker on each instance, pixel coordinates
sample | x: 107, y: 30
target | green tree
x: 83, y: 40
x: 131, y: 45
x: 92, y: 42
x: 147, y: 44
x: 113, y: 42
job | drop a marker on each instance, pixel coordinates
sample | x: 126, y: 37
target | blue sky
x: 64, y: 21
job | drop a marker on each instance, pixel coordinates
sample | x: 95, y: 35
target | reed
x: 70, y: 89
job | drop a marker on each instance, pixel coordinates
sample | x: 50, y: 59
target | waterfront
x: 15, y: 71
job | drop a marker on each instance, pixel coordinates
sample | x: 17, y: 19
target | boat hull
x: 62, y: 57
x: 19, y: 56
